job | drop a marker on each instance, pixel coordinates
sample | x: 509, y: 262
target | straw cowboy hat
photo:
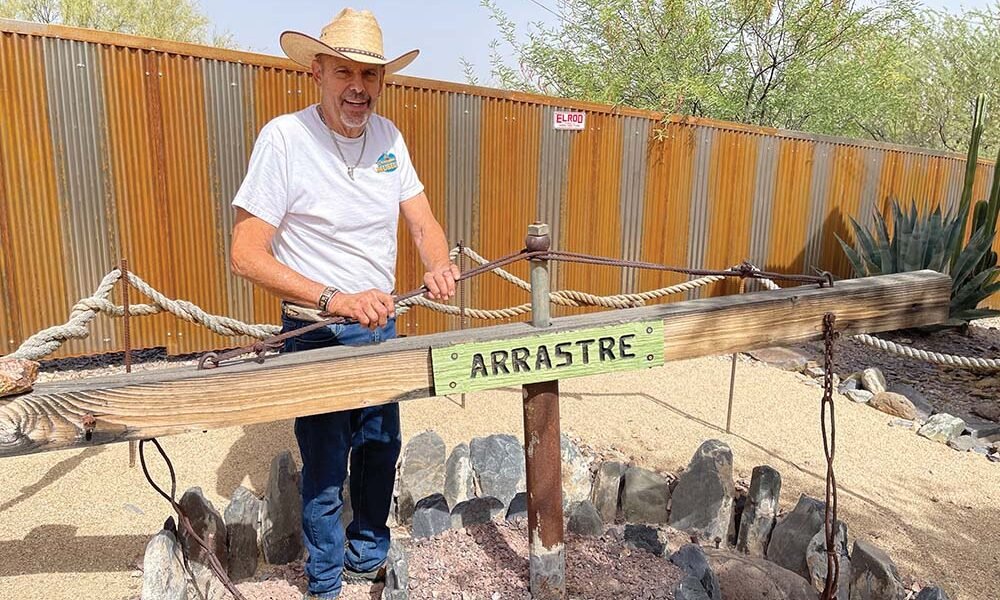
x: 352, y: 34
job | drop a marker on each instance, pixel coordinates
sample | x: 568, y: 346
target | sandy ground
x: 73, y: 524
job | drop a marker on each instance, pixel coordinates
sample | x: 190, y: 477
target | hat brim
x: 303, y: 48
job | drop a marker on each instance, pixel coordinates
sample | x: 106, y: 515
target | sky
x: 443, y: 30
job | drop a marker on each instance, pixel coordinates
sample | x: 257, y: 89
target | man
x: 316, y: 225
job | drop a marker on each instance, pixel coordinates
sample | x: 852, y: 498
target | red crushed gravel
x: 490, y: 562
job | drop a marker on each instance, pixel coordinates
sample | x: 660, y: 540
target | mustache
x: 356, y: 98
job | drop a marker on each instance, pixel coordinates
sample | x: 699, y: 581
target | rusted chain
x: 183, y: 520
x: 829, y: 450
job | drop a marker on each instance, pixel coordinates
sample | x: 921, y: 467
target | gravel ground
x: 74, y: 523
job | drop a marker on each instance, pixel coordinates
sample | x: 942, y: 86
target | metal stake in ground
x: 543, y: 461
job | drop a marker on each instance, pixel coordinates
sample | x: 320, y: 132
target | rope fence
x: 49, y: 340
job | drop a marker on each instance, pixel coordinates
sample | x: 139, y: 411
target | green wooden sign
x: 547, y: 356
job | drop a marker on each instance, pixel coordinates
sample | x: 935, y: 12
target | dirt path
x: 73, y: 523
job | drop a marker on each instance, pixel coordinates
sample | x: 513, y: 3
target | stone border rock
x: 777, y: 552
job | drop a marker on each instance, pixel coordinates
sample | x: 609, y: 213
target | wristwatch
x: 328, y: 293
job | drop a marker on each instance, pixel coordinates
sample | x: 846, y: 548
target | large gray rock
x: 791, y: 536
x: 421, y: 472
x: 702, y: 502
x: 874, y: 575
x: 208, y: 524
x: 518, y: 508
x: 645, y: 497
x: 816, y: 560
x: 644, y: 537
x: 873, y: 380
x: 163, y: 575
x: 575, y: 472
x: 397, y: 573
x: 692, y: 560
x: 459, y: 480
x: 743, y: 577
x: 760, y: 511
x: 607, y: 490
x: 584, y: 520
x: 859, y: 396
x: 932, y: 593
x: 431, y: 516
x: 242, y: 518
x: 918, y: 400
x: 942, y: 427
x: 475, y: 511
x: 894, y: 404
x: 690, y: 588
x: 281, y: 512
x: 498, y: 462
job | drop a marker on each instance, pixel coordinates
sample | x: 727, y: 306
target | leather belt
x: 302, y: 313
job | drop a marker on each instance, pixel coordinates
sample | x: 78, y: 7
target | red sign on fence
x: 565, y: 119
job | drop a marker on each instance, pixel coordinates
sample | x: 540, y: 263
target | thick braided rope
x: 48, y: 340
x: 190, y: 312
x: 950, y: 360
x: 577, y: 298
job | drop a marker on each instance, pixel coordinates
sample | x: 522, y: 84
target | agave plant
x: 935, y: 241
x: 925, y: 243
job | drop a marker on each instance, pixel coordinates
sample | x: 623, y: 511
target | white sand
x: 73, y: 523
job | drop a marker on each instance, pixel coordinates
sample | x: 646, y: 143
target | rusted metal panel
x: 765, y: 175
x: 669, y: 183
x: 509, y: 157
x: 842, y: 202
x: 421, y: 114
x: 465, y: 117
x: 790, y: 209
x: 632, y: 172
x: 592, y: 219
x: 730, y: 196
x: 553, y: 175
x: 192, y: 219
x: 869, y: 188
x: 821, y: 166
x: 700, y: 201
x: 141, y: 209
x: 35, y: 274
x: 73, y: 77
x: 226, y: 90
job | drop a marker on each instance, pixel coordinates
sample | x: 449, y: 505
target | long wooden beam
x: 172, y: 401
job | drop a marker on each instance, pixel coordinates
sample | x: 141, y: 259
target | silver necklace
x: 364, y: 142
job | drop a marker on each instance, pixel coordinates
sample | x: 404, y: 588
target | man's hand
x: 440, y: 281
x: 371, y: 308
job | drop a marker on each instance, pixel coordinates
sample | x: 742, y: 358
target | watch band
x: 328, y: 293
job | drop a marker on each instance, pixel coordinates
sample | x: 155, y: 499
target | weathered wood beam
x: 172, y: 401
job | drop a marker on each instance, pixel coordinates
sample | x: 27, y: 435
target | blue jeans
x: 371, y: 436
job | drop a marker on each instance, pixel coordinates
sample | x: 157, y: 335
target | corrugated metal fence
x: 116, y: 146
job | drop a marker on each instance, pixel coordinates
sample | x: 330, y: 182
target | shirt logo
x: 386, y: 163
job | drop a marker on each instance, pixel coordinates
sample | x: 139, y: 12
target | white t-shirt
x: 331, y: 229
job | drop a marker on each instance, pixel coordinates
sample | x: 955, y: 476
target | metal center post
x: 543, y: 459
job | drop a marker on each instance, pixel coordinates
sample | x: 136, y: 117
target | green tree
x: 885, y: 69
x: 179, y: 20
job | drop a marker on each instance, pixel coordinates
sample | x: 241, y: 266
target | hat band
x: 357, y: 51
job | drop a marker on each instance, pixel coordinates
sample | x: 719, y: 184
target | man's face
x: 348, y: 89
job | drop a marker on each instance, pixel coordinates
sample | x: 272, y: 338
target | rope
x: 49, y: 340
x: 938, y: 358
